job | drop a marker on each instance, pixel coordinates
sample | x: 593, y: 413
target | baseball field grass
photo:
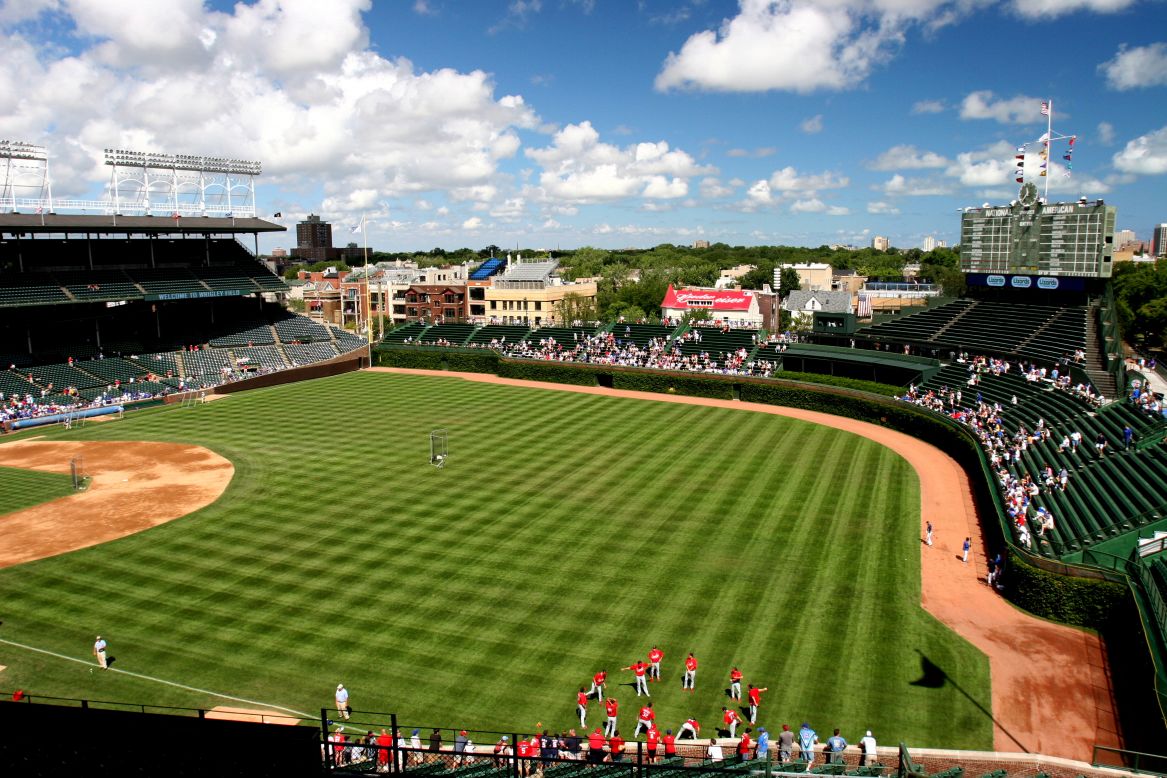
x: 567, y: 533
x: 24, y: 488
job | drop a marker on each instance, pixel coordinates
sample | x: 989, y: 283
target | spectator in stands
x: 869, y: 746
x: 616, y: 746
x: 1128, y: 435
x: 785, y: 743
x: 714, y: 751
x: 807, y: 738
x: 435, y: 744
x: 836, y: 745
x: 763, y: 748
x: 595, y: 747
x: 501, y: 751
x: 1100, y: 444
x: 569, y: 746
x: 460, y: 741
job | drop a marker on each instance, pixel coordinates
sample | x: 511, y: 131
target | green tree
x: 790, y: 280
x: 576, y: 307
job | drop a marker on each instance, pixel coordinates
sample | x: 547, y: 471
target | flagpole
x: 368, y: 283
x: 1049, y: 144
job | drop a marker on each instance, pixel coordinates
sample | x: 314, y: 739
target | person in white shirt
x: 99, y: 652
x: 868, y: 745
x: 715, y: 754
x: 342, y: 706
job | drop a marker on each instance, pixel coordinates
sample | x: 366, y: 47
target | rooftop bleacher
x: 641, y: 334
x: 454, y: 334
x: 508, y: 333
x: 716, y: 340
x: 488, y: 268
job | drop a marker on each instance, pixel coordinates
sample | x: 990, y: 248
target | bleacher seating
x: 268, y: 357
x: 98, y: 284
x: 488, y: 268
x: 408, y: 332
x: 161, y: 363
x: 306, y: 353
x: 715, y: 341
x: 346, y: 341
x: 1107, y: 496
x: 30, y: 289
x: 1041, y: 332
x: 560, y: 334
x: 454, y: 334
x: 61, y: 376
x: 222, y: 277
x: 166, y: 280
x: 641, y: 334
x: 509, y: 333
x: 302, y: 329
x: 113, y: 369
x: 256, y: 333
x: 205, y: 362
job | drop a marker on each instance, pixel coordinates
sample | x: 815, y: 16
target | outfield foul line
x: 299, y: 713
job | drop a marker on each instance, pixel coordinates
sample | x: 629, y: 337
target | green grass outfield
x: 568, y: 533
x: 25, y: 488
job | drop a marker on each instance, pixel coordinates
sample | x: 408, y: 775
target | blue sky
x: 548, y: 123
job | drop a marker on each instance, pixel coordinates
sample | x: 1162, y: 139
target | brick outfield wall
x: 343, y: 363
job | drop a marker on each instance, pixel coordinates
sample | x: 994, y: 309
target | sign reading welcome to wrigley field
x: 198, y: 294
x: 1054, y: 239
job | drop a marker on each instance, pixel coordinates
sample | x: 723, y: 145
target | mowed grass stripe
x: 567, y: 533
x: 20, y: 488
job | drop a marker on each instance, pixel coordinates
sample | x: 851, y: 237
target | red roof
x: 710, y: 299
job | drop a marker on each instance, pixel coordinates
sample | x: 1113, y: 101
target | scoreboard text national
x: 1055, y: 239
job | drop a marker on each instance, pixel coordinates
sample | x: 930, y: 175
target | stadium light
x: 15, y: 149
x: 193, y: 162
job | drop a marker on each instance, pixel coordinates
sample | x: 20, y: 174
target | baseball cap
x: 340, y: 686
x: 504, y: 737
x: 761, y: 729
x: 806, y: 724
x: 463, y: 732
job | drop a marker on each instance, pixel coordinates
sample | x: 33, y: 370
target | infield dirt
x: 134, y: 486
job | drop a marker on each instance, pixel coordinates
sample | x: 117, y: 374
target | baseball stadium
x: 296, y: 549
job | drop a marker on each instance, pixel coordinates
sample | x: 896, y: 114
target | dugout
x: 55, y: 740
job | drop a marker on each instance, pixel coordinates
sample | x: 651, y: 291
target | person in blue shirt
x: 807, y: 738
x: 763, y: 748
x: 836, y: 745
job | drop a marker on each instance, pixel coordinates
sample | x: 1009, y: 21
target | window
x: 538, y: 305
x: 494, y: 305
x: 451, y: 313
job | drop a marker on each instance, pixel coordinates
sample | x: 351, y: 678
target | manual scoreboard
x: 1055, y: 239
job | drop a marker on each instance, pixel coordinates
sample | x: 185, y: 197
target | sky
x: 607, y: 123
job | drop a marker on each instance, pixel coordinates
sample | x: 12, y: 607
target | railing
x: 136, y: 707
x: 1135, y: 761
x: 44, y: 206
x: 1152, y: 547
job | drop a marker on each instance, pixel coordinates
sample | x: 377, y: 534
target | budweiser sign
x: 717, y: 299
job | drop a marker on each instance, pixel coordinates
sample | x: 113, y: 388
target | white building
x: 929, y: 243
x: 880, y: 243
x: 735, y: 306
x: 802, y: 305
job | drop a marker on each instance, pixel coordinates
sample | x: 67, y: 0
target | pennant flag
x: 1072, y: 139
x: 1020, y: 180
x: 1043, y: 165
x: 1067, y: 156
x: 1043, y: 172
x: 356, y: 228
x: 1020, y: 149
x: 1045, y: 153
x: 1045, y: 108
x: 231, y: 215
x: 278, y: 215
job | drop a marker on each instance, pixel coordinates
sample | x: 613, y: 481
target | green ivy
x: 1083, y: 602
x: 671, y: 383
x: 553, y: 372
x: 850, y: 383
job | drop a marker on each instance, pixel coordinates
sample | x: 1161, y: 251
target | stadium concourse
x: 1037, y: 706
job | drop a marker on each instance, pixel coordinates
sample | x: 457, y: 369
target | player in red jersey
x: 735, y: 684
x: 644, y: 719
x: 598, y: 681
x: 731, y: 719
x: 691, y: 726
x: 755, y: 697
x: 639, y: 668
x: 743, y: 746
x: 581, y: 707
x: 651, y: 743
x: 616, y: 746
x: 690, y: 678
x: 596, y: 747
x: 654, y: 657
x: 611, y: 707
x: 670, y: 744
x: 523, y: 752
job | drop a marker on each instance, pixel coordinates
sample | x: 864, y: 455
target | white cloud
x: 929, y: 106
x: 788, y: 180
x: 1105, y: 133
x: 1046, y: 8
x: 984, y: 104
x: 906, y: 157
x: 423, y: 8
x: 1141, y: 66
x: 510, y: 209
x: 815, y: 205
x: 761, y: 151
x: 15, y: 11
x: 812, y: 125
x: 795, y: 45
x: 920, y: 187
x: 579, y: 168
x: 879, y: 206
x: 759, y: 194
x: 181, y: 78
x: 518, y: 11
x: 711, y: 188
x: 1145, y: 155
x: 472, y: 223
x: 988, y: 166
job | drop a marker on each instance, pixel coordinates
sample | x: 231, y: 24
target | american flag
x: 1045, y: 108
x: 864, y: 306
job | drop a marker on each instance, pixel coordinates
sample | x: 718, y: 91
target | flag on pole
x: 1020, y: 179
x: 358, y: 227
x: 174, y: 216
x: 1045, y: 107
x: 864, y: 306
x: 278, y: 215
